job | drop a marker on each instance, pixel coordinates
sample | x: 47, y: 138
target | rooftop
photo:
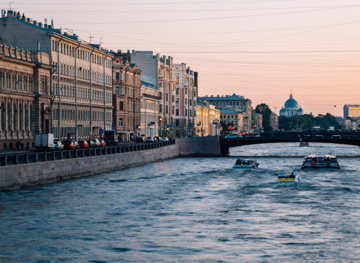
x: 224, y: 98
x: 228, y: 112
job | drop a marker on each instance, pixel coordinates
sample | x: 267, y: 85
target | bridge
x: 349, y: 138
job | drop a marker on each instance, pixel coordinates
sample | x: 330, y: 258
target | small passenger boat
x: 304, y: 144
x: 246, y: 164
x: 320, y: 161
x: 288, y: 179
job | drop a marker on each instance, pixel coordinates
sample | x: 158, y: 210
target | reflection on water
x: 191, y: 210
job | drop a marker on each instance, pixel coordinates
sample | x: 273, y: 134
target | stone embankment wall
x: 199, y: 146
x: 14, y: 176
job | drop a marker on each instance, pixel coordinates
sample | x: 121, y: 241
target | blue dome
x: 291, y: 103
x: 283, y: 110
x: 300, y: 110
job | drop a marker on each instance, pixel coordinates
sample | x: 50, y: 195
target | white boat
x: 320, y: 161
x: 288, y: 179
x: 246, y: 164
x: 304, y: 144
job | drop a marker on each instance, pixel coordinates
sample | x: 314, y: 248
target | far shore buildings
x: 291, y: 108
x: 25, y: 96
x: 81, y: 83
x: 207, y: 121
x: 233, y: 103
x: 274, y: 121
x: 351, y: 110
x: 233, y: 118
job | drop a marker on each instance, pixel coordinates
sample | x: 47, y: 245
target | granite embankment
x: 14, y: 176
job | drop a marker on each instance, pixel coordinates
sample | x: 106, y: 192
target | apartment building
x: 207, y: 121
x: 126, y: 99
x: 233, y: 119
x: 185, y: 100
x: 82, y: 81
x: 24, y: 96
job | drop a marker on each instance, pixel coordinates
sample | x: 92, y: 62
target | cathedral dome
x: 291, y: 103
x: 283, y: 110
x: 300, y: 111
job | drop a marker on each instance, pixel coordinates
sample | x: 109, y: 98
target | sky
x: 260, y: 49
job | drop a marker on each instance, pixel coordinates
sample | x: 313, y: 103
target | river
x: 192, y: 210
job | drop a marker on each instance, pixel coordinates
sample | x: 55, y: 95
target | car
x: 76, y: 143
x: 96, y: 142
x: 158, y: 139
x: 165, y: 139
x: 233, y: 136
x: 102, y: 143
x: 91, y: 144
x: 139, y: 140
x: 149, y: 139
x: 83, y: 144
x: 58, y: 145
x: 69, y: 145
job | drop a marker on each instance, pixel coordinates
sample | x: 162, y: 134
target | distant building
x: 291, y: 108
x: 234, y: 103
x: 150, y: 100
x: 274, y: 121
x: 207, y: 119
x: 351, y: 110
x: 345, y: 123
x: 235, y: 118
x: 258, y: 123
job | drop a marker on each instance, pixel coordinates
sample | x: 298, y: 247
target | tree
x: 266, y: 113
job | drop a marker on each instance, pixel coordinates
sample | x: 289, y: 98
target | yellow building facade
x: 207, y: 120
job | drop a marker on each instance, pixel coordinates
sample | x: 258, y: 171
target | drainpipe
x: 76, y: 109
x: 91, y: 94
x: 105, y: 93
x: 58, y: 67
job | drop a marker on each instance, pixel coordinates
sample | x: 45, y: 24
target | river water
x: 192, y: 210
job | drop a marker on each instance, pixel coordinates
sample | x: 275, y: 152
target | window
x: 167, y: 97
x: 121, y: 105
x: 166, y: 109
x: 160, y: 95
x: 190, y: 102
x: 185, y: 101
x: 176, y: 122
x: 160, y: 108
x: 177, y: 79
x: 186, y: 91
x: 194, y: 93
x: 117, y: 90
x: 172, y: 98
x: 185, y: 112
x: 177, y: 91
x: 121, y: 123
x: 117, y: 75
x: 177, y: 112
x: 189, y: 112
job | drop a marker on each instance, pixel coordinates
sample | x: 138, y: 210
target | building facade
x: 185, y: 100
x: 158, y: 68
x: 351, y: 110
x: 291, y: 108
x: 82, y: 81
x: 126, y: 99
x: 24, y: 96
x: 150, y: 100
x: 274, y: 121
x: 234, y: 119
x: 258, y: 123
x: 235, y: 103
x: 207, y: 121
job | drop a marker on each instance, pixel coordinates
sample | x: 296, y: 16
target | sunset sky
x: 261, y: 49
